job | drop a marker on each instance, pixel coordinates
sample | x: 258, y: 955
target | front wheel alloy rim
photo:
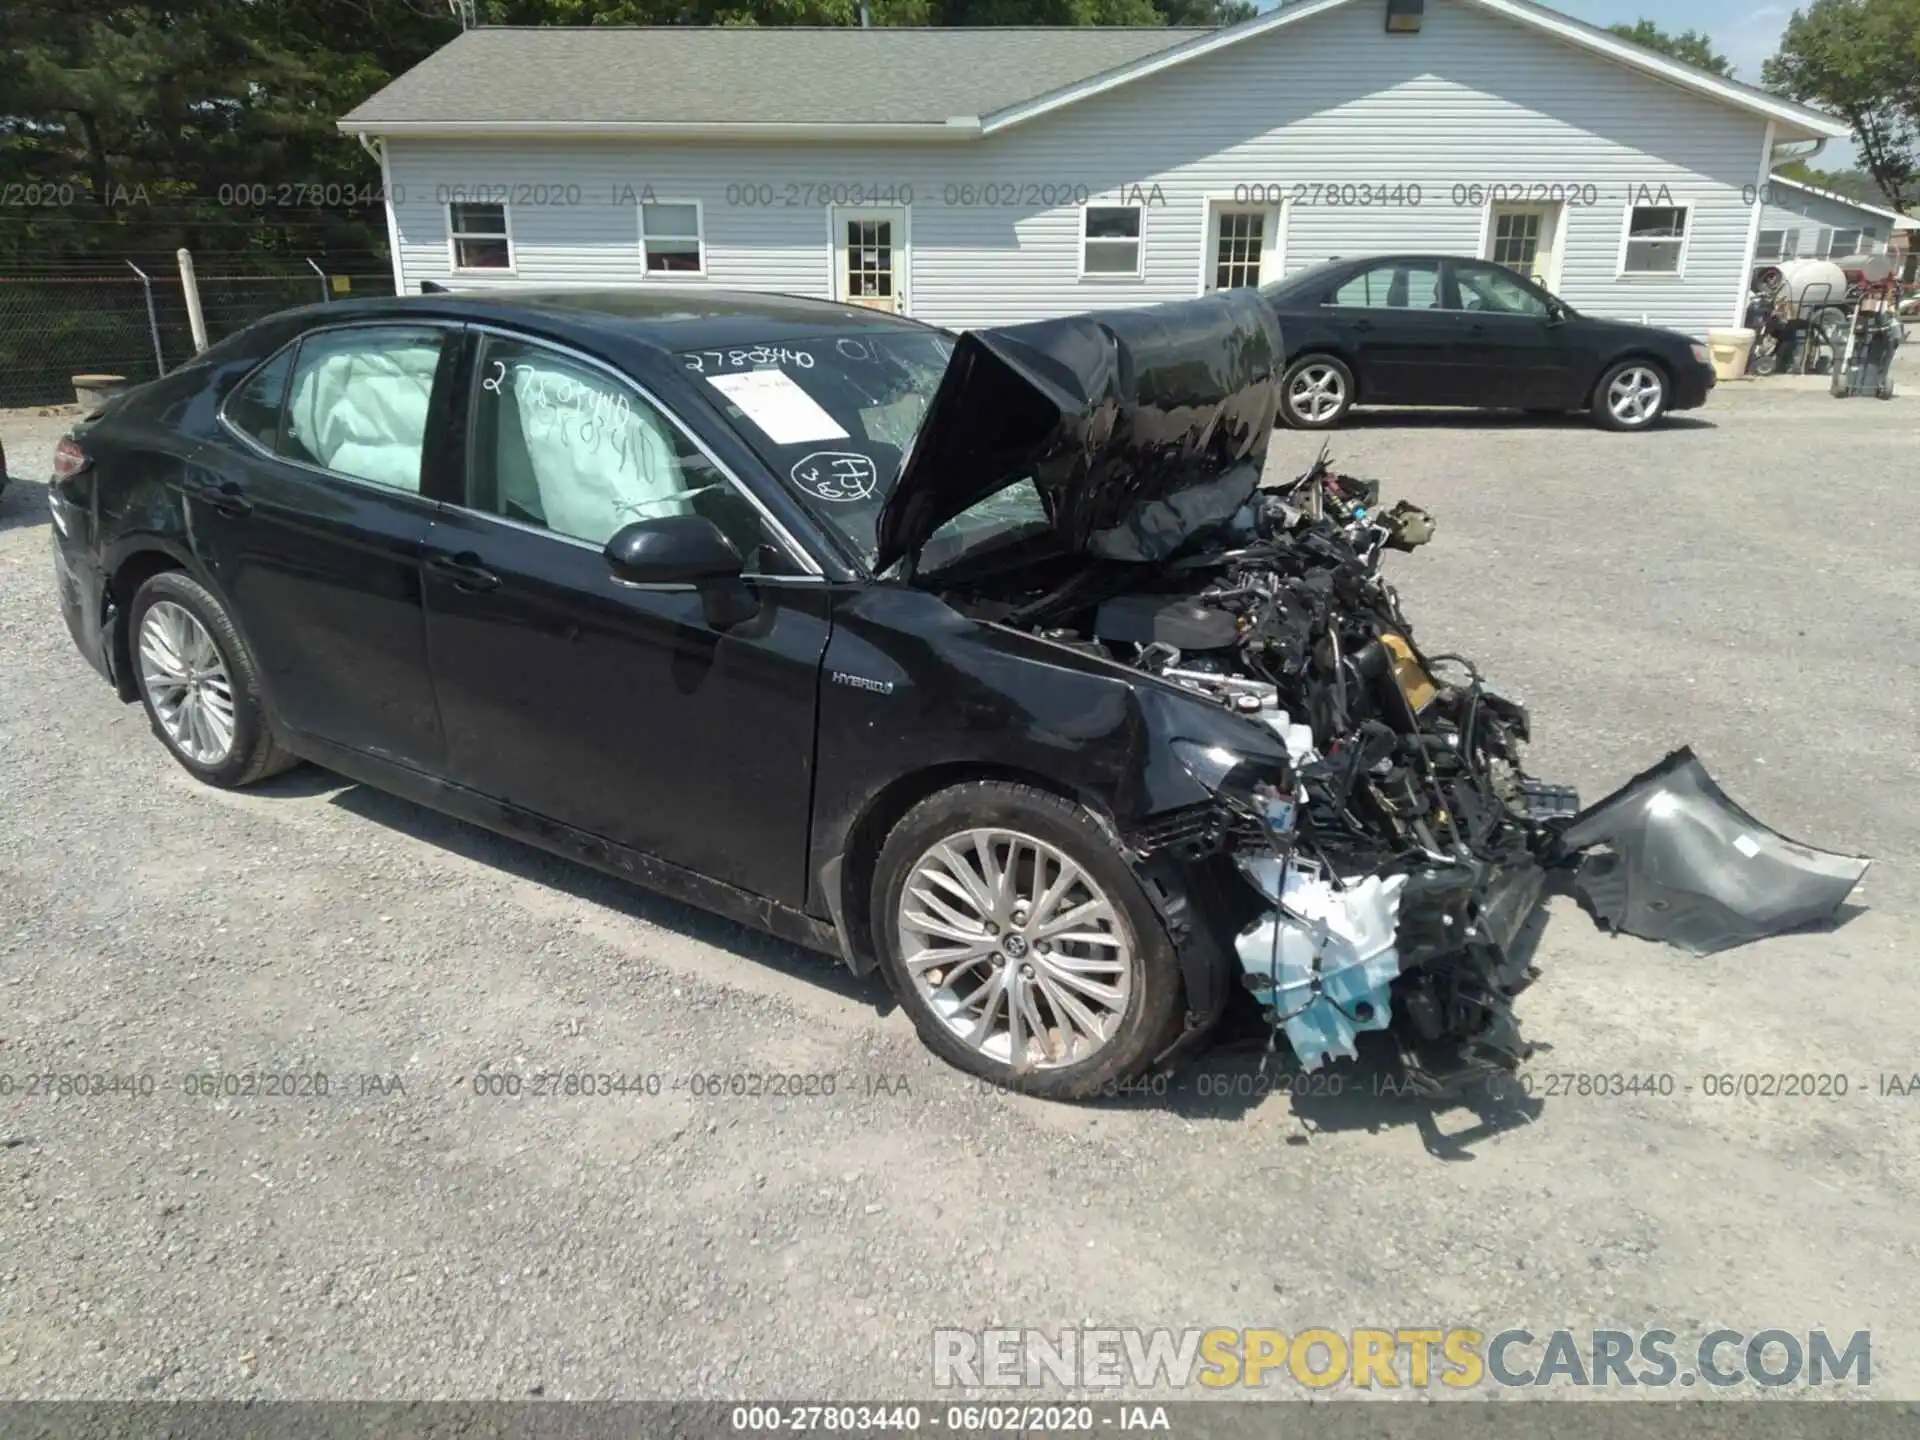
x: 1016, y: 949
x: 1317, y: 393
x: 1635, y: 394
x: 187, y: 683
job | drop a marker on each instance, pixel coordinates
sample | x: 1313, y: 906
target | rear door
x: 617, y: 710
x: 1403, y: 336
x: 307, y: 510
x: 1515, y: 352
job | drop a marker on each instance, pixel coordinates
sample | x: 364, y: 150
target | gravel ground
x: 1742, y: 580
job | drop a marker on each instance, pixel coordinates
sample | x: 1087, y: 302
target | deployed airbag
x: 1684, y: 864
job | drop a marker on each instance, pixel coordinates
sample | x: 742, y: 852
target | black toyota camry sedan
x: 986, y: 661
x: 1445, y: 331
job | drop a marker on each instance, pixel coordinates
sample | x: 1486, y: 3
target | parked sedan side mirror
x: 672, y: 550
x: 1556, y: 312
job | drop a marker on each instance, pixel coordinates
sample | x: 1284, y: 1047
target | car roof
x: 668, y: 319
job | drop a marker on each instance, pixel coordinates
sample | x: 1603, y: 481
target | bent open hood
x: 1137, y: 427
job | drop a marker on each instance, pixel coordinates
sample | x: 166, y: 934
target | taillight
x: 68, y: 458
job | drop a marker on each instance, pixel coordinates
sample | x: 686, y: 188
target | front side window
x: 566, y: 446
x: 1494, y: 290
x: 1110, y: 239
x: 358, y: 402
x: 833, y: 416
x: 480, y: 239
x: 1396, y: 285
x: 670, y: 237
x: 1656, y: 237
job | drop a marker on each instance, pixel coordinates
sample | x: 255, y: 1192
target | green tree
x: 1854, y: 183
x: 1861, y: 60
x: 1690, y: 46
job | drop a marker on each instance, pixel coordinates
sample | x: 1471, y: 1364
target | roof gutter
x: 957, y: 127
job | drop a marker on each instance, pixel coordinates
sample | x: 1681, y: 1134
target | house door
x: 1242, y: 246
x: 870, y: 258
x: 1525, y: 238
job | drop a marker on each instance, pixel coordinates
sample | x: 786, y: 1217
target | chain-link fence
x: 134, y: 322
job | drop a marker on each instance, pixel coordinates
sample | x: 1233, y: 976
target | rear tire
x: 199, y: 685
x: 1316, y: 393
x: 1070, y: 936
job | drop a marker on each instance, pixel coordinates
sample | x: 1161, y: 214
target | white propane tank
x: 1810, y: 284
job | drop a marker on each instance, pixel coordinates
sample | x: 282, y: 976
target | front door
x: 1525, y: 238
x: 619, y: 711
x: 1515, y: 352
x: 307, y: 510
x: 870, y: 258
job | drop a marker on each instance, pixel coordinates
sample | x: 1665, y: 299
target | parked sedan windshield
x: 832, y: 415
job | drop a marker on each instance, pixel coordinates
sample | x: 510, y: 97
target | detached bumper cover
x: 1673, y: 859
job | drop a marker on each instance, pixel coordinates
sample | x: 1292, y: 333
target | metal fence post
x: 196, y: 321
x: 325, y: 294
x: 153, y: 320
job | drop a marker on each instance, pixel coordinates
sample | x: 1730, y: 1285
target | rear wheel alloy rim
x: 1635, y: 394
x: 1317, y: 393
x: 1016, y: 949
x: 187, y: 683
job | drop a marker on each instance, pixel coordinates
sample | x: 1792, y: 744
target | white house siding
x: 1813, y: 219
x: 1472, y: 100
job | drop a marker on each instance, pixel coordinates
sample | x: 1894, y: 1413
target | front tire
x: 198, y: 683
x: 1316, y: 393
x: 1632, y: 395
x: 1016, y: 935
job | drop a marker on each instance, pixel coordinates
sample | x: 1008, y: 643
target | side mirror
x: 1556, y: 312
x: 683, y: 550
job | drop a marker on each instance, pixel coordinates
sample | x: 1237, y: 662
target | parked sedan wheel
x: 1018, y: 938
x: 1316, y: 393
x: 198, y: 683
x: 1632, y: 396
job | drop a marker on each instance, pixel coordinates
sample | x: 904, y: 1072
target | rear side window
x: 358, y: 403
x: 254, y: 408
x: 1398, y: 285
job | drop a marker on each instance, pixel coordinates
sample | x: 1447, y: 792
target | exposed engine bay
x: 1381, y: 866
x: 1390, y: 876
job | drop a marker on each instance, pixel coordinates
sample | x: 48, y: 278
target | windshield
x: 832, y: 415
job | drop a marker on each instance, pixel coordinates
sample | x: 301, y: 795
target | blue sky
x: 1747, y: 32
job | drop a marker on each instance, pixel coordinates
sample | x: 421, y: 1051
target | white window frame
x: 454, y: 237
x: 1760, y: 255
x: 1833, y: 243
x: 1686, y: 207
x: 1081, y: 241
x: 1273, y: 243
x: 700, y: 239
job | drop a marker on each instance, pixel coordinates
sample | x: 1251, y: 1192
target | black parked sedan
x: 643, y: 578
x: 1441, y: 330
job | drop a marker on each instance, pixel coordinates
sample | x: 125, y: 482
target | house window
x: 1110, y: 240
x: 1870, y: 241
x: 1239, y: 237
x: 1845, y: 242
x: 670, y: 237
x: 1790, y: 247
x: 1656, y: 240
x: 1770, y: 245
x: 480, y: 240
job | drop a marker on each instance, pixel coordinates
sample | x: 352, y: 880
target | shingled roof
x: 749, y: 76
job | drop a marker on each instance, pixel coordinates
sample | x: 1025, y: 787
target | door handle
x: 465, y: 572
x: 227, y: 497
x: 1363, y: 324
